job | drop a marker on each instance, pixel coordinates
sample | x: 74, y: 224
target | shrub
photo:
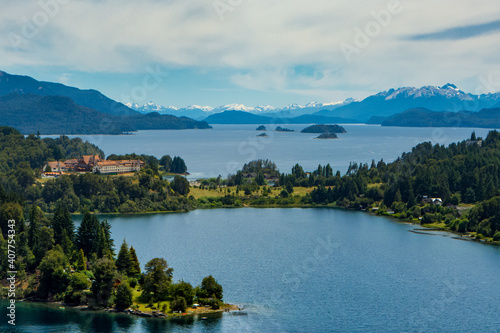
x: 179, y: 304
x: 123, y: 297
x: 496, y: 237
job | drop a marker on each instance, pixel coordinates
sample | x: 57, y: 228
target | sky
x: 252, y: 52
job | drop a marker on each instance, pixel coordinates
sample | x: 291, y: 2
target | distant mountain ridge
x: 33, y: 106
x: 383, y: 104
x: 89, y: 98
x: 201, y: 112
x: 393, y: 101
x: 420, y: 117
x: 31, y: 113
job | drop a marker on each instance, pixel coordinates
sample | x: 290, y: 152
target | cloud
x: 457, y: 33
x: 284, y: 46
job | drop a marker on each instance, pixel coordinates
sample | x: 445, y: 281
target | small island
x: 263, y: 135
x: 327, y: 136
x: 261, y: 128
x: 324, y: 129
x: 283, y: 129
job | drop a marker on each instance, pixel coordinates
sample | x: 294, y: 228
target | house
x: 430, y: 200
x: 437, y: 201
x: 474, y: 142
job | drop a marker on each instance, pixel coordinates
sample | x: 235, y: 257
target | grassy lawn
x: 440, y: 225
x: 199, y: 193
x: 301, y: 190
x: 143, y: 306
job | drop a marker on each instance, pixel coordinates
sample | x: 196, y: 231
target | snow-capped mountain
x: 200, y: 112
x: 383, y: 104
x: 387, y: 103
x: 448, y: 90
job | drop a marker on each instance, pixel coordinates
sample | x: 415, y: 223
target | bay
x: 315, y: 270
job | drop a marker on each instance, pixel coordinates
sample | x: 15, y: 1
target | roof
x: 87, y: 158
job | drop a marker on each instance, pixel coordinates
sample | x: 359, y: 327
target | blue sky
x: 252, y: 52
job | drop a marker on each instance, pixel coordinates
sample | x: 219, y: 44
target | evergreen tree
x: 260, y: 180
x: 87, y: 234
x: 81, y: 264
x: 328, y: 171
x: 62, y: 221
x: 397, y: 197
x: 66, y: 243
x: 104, y: 270
x: 178, y: 165
x: 135, y: 266
x: 106, y: 243
x: 45, y: 243
x: 123, y: 298
x: 123, y: 261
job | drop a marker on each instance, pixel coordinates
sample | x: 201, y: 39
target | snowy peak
x: 151, y: 107
x: 447, y: 91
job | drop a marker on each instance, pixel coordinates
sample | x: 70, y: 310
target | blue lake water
x: 225, y: 148
x: 307, y: 270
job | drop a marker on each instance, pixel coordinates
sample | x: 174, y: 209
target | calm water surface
x: 305, y: 270
x: 225, y: 148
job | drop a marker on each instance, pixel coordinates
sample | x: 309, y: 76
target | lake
x: 314, y: 270
x: 225, y: 148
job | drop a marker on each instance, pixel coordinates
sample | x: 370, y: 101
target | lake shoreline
x: 190, y: 312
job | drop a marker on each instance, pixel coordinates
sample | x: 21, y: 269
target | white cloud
x: 260, y: 40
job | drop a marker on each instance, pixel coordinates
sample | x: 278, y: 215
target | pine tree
x: 107, y: 242
x: 81, y: 262
x: 397, y: 197
x: 87, y: 234
x: 328, y: 171
x: 66, y: 243
x: 123, y: 262
x: 62, y: 221
x: 135, y: 266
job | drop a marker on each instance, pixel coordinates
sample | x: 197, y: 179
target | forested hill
x: 462, y: 173
x: 92, y: 99
x: 31, y: 113
x: 22, y: 158
x: 486, y: 118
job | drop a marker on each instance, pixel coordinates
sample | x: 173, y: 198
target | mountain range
x: 387, y: 103
x: 201, y: 112
x: 33, y: 106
